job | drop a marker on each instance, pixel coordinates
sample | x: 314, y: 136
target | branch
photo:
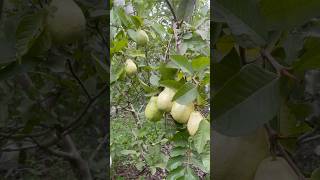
x: 273, y: 136
x: 78, y: 79
x: 172, y: 10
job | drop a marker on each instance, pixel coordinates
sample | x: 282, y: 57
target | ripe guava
x: 67, y: 23
x: 130, y: 67
x: 276, y: 169
x: 238, y: 157
x: 193, y: 122
x: 152, y: 112
x: 181, y: 112
x: 165, y: 99
x: 142, y: 37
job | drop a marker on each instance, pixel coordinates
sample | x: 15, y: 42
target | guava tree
x: 160, y: 78
x: 265, y: 91
x: 53, y: 89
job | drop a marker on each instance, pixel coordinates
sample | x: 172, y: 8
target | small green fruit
x: 130, y: 67
x: 152, y: 112
x: 142, y: 37
x: 275, y: 169
x: 165, y: 99
x: 193, y: 122
x: 67, y: 23
x: 181, y: 112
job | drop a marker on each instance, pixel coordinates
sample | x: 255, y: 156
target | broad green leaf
x: 159, y: 29
x: 225, y: 69
x: 202, y: 136
x: 182, y: 63
x: 200, y: 63
x: 185, y: 10
x: 177, y: 173
x: 178, y: 151
x: 285, y: 14
x: 244, y: 19
x: 167, y: 72
x: 180, y: 139
x: 311, y: 57
x: 125, y: 20
x: 247, y: 101
x: 118, y: 46
x: 186, y: 94
x: 41, y: 45
x: 190, y: 174
x: 138, y: 22
x: 28, y: 30
x: 175, y: 162
x: 135, y: 53
x: 171, y: 84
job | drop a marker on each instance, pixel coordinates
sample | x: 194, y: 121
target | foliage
x: 50, y: 90
x: 176, y: 56
x: 266, y: 70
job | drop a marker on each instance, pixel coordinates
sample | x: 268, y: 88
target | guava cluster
x: 181, y: 113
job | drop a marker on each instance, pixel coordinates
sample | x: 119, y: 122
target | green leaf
x: 118, y: 46
x: 128, y: 152
x: 247, y: 101
x: 182, y: 63
x: 185, y: 10
x: 171, y: 84
x: 101, y: 68
x: 177, y: 173
x: 159, y: 29
x: 311, y: 57
x: 186, y: 94
x: 244, y: 19
x: 16, y: 68
x: 28, y: 30
x: 285, y: 14
x: 125, y: 20
x: 202, y: 136
x: 175, y: 162
x: 316, y: 174
x: 180, y: 139
x: 147, y: 88
x: 226, y: 68
x: 200, y: 63
x: 167, y: 72
x: 189, y: 174
x: 178, y: 151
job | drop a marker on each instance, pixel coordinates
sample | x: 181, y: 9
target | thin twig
x: 172, y: 10
x: 78, y: 80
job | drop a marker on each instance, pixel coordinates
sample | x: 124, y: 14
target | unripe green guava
x: 130, y: 67
x: 152, y: 112
x: 181, y: 112
x: 142, y: 37
x: 275, y: 169
x: 238, y: 157
x: 67, y: 23
x: 193, y: 122
x: 165, y: 99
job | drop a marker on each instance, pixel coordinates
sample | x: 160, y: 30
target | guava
x: 130, y: 67
x: 67, y: 23
x: 193, y: 122
x: 181, y: 112
x: 275, y: 168
x: 165, y: 99
x: 152, y: 112
x: 238, y: 157
x: 142, y: 37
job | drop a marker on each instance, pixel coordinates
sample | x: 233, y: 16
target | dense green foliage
x: 176, y: 56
